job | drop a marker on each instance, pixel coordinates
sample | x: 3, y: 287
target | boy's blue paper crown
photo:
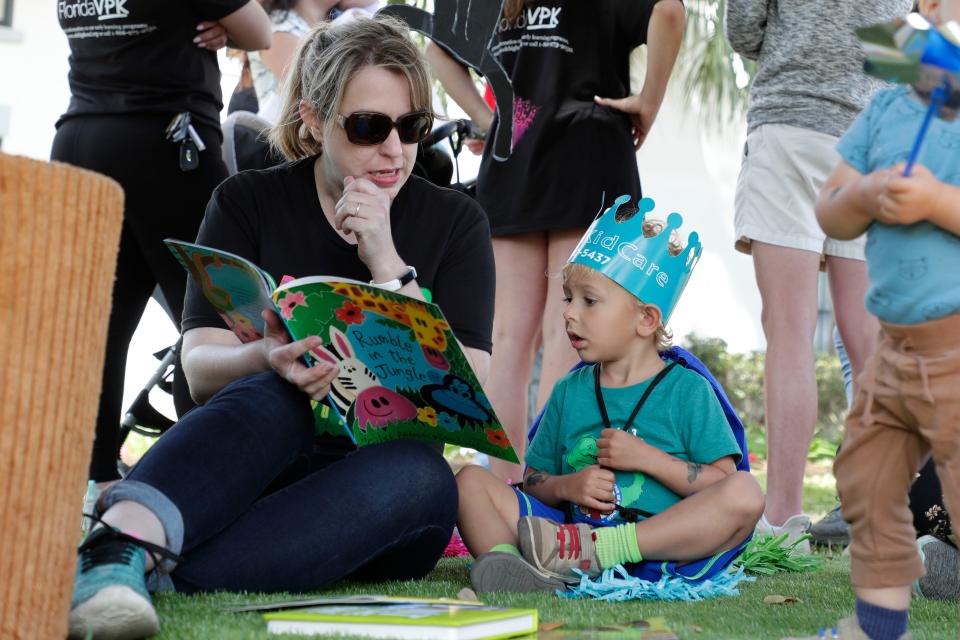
x: 643, y: 266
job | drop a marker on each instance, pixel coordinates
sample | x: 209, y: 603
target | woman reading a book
x: 242, y: 490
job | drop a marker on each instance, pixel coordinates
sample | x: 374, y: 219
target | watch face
x: 409, y: 276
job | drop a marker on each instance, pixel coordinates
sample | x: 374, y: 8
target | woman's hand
x: 364, y: 210
x: 212, y: 36
x: 591, y: 488
x: 642, y: 113
x: 475, y: 145
x: 286, y: 358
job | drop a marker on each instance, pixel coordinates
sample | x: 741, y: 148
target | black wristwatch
x: 397, y: 283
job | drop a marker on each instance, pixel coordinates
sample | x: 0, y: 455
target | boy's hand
x: 910, y: 199
x: 617, y: 449
x: 872, y: 187
x: 591, y: 488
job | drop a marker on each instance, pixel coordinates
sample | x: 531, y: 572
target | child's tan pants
x: 907, y: 406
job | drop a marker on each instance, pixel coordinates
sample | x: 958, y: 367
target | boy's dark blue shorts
x: 650, y: 570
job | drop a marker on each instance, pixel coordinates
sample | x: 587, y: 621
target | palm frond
x: 713, y: 76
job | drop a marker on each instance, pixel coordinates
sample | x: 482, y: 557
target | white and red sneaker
x: 558, y: 549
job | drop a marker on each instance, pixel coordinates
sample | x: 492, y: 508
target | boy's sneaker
x: 795, y: 526
x: 500, y: 571
x: 831, y: 529
x: 110, y: 598
x: 558, y: 549
x: 846, y: 629
x: 942, y: 581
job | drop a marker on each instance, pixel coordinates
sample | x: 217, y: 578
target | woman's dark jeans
x: 253, y: 502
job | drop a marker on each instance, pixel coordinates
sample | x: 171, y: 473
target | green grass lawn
x: 825, y: 596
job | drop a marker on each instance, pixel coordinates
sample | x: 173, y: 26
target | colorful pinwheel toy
x: 927, y: 57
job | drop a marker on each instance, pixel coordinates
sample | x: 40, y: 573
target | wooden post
x: 59, y: 233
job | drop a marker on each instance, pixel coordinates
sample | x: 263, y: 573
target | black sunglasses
x: 369, y: 127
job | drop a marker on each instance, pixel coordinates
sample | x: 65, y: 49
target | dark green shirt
x: 681, y: 417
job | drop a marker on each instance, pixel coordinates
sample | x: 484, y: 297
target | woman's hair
x: 578, y: 271
x: 279, y: 5
x: 328, y: 58
x: 513, y: 8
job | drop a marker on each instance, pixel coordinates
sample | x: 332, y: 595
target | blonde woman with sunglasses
x: 241, y: 495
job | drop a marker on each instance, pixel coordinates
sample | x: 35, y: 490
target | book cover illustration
x: 402, y: 373
x: 237, y: 288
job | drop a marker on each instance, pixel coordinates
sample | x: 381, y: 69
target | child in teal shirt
x: 633, y: 460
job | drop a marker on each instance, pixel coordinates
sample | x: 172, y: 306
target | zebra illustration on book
x: 357, y: 391
x: 464, y: 29
x: 354, y: 376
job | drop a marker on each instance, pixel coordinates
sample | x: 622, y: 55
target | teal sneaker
x: 110, y: 598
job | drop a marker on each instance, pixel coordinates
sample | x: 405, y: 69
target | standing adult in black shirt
x: 241, y: 487
x: 134, y: 64
x: 570, y: 148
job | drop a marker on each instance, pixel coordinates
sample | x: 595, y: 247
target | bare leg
x: 558, y: 355
x: 488, y: 511
x: 858, y: 328
x: 136, y: 520
x: 732, y: 506
x: 896, y: 598
x: 521, y: 290
x: 787, y: 279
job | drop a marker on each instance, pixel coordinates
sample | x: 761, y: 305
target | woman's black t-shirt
x: 138, y: 56
x: 273, y: 218
x: 567, y: 150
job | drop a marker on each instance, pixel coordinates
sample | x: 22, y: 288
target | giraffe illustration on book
x: 464, y: 29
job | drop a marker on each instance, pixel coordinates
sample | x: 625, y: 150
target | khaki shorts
x: 782, y: 173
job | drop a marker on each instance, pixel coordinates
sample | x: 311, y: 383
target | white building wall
x: 33, y: 77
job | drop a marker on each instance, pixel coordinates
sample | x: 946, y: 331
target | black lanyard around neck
x: 646, y: 394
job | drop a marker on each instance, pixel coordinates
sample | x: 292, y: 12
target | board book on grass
x: 415, y: 618
x: 402, y: 372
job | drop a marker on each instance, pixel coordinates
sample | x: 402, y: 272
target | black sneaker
x: 831, y: 529
x: 110, y: 598
x: 942, y: 581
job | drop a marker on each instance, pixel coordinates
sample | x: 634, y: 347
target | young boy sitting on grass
x: 633, y: 460
x: 908, y: 404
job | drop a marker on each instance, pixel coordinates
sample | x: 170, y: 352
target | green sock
x: 616, y: 545
x: 506, y: 548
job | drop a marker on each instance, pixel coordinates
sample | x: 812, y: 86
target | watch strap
x: 398, y: 283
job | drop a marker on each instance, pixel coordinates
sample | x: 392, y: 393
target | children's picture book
x: 402, y: 371
x: 415, y: 618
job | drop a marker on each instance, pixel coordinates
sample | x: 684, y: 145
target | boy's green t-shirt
x: 681, y: 417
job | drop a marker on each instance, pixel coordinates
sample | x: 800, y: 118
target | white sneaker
x: 795, y: 526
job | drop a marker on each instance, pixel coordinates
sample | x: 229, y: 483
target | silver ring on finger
x: 356, y: 210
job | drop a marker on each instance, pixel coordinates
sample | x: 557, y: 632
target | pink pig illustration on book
x: 357, y: 386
